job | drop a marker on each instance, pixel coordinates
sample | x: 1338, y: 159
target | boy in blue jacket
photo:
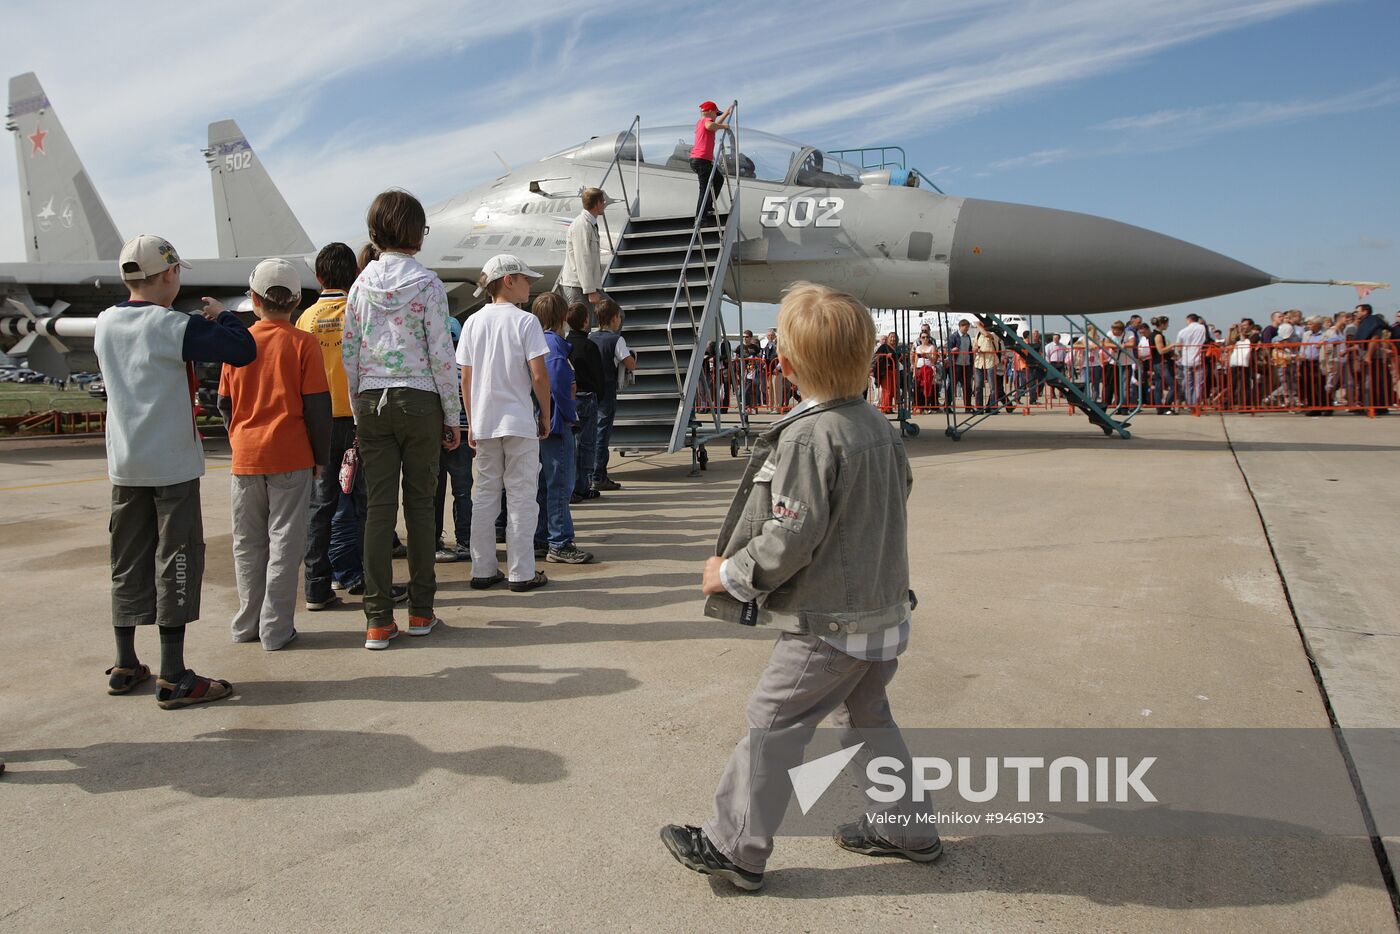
x: 557, y: 461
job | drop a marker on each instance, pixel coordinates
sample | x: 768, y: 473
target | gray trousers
x: 157, y: 554
x: 269, y: 543
x: 805, y: 681
x: 572, y: 293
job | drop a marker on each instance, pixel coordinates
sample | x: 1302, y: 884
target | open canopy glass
x: 762, y: 156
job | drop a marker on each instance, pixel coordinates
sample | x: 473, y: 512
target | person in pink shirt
x: 702, y: 154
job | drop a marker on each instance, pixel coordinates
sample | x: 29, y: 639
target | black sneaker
x: 693, y: 850
x: 400, y: 550
x: 485, y: 583
x: 356, y: 589
x: 607, y: 485
x: 859, y: 837
x: 569, y: 554
x: 539, y: 580
x: 445, y: 555
x: 541, y: 550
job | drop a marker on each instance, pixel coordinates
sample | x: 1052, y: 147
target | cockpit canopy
x: 762, y: 156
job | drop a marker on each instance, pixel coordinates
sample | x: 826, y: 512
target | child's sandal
x: 122, y: 680
x: 189, y: 690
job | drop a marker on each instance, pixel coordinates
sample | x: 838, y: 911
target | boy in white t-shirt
x: 502, y: 354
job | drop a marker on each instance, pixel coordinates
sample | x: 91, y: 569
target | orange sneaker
x: 421, y: 625
x: 377, y: 637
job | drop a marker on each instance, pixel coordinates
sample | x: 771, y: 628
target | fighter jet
x: 787, y: 211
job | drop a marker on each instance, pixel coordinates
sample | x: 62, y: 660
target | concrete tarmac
x: 511, y: 770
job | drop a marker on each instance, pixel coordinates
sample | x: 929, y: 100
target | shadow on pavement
x: 259, y: 764
x: 513, y: 633
x: 605, y: 592
x: 1027, y: 442
x: 1181, y: 873
x: 497, y: 683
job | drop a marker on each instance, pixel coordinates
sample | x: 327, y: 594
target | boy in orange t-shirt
x: 278, y: 413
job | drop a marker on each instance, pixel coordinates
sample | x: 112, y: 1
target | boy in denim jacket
x: 814, y: 545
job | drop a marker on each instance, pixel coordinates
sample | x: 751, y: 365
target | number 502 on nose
x: 801, y: 212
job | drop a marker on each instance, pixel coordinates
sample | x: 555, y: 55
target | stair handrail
x: 1049, y: 373
x: 634, y: 132
x: 634, y: 206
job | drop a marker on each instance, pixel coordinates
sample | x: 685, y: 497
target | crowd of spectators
x: 1292, y: 362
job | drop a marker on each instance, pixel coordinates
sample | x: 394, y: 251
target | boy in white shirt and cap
x: 502, y: 355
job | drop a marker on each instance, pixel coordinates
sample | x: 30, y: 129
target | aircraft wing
x: 465, y: 269
x: 209, y: 274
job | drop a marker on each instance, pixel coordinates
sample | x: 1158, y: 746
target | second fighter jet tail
x: 250, y: 214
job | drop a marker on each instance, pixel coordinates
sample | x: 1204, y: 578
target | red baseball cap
x: 709, y: 105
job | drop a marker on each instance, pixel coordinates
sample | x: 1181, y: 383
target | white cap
x: 146, y: 256
x: 502, y: 265
x: 274, y: 272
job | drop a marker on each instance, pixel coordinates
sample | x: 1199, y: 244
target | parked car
x: 28, y: 376
x: 97, y: 389
x: 82, y: 379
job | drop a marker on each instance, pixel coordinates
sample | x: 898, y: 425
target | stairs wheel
x: 1108, y: 431
x: 702, y: 457
x: 733, y: 447
x: 910, y: 429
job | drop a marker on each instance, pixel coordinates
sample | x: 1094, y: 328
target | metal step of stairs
x: 668, y: 275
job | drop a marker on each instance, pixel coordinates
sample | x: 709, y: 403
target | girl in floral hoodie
x: 399, y: 363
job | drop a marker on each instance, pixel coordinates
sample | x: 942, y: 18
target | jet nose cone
x: 1018, y: 259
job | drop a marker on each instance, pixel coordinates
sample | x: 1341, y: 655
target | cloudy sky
x: 1266, y: 129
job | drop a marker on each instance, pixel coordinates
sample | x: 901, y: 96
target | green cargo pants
x: 400, y: 436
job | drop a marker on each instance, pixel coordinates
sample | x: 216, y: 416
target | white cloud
x: 1031, y: 160
x: 1374, y: 243
x: 1200, y: 122
x: 1176, y: 129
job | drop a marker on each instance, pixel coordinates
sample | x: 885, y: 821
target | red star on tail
x: 37, y: 139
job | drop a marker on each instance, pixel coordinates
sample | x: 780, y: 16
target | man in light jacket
x: 582, y: 276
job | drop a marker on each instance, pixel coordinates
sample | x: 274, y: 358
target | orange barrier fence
x: 54, y: 423
x: 1314, y: 377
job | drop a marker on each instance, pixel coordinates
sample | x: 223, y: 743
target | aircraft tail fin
x: 250, y: 214
x: 64, y: 217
